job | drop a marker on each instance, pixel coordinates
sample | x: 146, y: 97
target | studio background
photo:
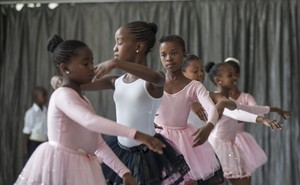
x: 262, y: 34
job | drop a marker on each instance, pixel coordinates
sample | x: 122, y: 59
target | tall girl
x: 246, y: 142
x: 73, y: 128
x: 179, y: 94
x: 137, y: 95
x: 237, y: 169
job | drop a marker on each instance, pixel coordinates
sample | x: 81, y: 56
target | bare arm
x: 156, y: 78
x: 106, y: 82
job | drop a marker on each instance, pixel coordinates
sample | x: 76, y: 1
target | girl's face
x: 226, y: 77
x: 195, y: 71
x: 81, y: 69
x: 171, y: 56
x: 126, y: 45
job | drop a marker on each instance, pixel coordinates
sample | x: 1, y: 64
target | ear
x: 217, y: 80
x: 140, y: 47
x: 63, y: 68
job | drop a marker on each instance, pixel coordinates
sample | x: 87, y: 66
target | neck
x: 73, y: 86
x: 234, y: 93
x: 223, y: 91
x: 174, y: 75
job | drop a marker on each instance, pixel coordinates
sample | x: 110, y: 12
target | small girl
x: 235, y: 166
x: 246, y: 142
x: 193, y: 69
x: 74, y: 128
x: 179, y: 94
x: 137, y: 95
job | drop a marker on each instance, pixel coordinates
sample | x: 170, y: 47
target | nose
x: 115, y: 48
x: 168, y: 58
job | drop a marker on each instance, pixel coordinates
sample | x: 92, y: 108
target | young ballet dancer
x: 193, y: 69
x: 246, y: 142
x: 171, y: 120
x: 236, y: 167
x: 137, y: 95
x: 74, y: 128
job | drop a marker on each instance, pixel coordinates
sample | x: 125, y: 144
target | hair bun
x: 153, y: 27
x: 208, y: 66
x: 54, y: 42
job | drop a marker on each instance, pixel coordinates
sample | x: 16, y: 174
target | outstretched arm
x: 156, y: 78
x: 76, y: 108
x: 252, y: 118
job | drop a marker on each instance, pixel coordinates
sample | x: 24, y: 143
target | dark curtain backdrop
x: 263, y: 34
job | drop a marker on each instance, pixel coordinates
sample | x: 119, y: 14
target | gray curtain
x: 263, y: 34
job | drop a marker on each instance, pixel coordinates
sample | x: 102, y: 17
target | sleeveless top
x: 135, y: 108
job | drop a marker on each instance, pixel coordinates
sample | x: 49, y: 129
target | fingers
x: 275, y: 125
x: 156, y: 145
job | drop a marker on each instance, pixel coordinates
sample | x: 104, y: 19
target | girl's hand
x: 274, y: 124
x: 103, y: 68
x: 128, y: 179
x: 152, y: 143
x: 283, y: 113
x: 199, y: 111
x: 202, y: 134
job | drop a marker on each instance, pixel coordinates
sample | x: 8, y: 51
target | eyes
x: 171, y: 54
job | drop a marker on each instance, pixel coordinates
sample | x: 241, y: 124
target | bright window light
x: 52, y: 5
x: 19, y: 6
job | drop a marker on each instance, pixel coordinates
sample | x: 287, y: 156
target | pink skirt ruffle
x: 52, y: 164
x: 202, y: 159
x: 252, y: 151
x: 232, y: 159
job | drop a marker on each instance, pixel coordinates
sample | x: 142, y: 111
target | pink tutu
x: 202, y: 159
x: 251, y: 149
x: 53, y: 164
x: 233, y: 160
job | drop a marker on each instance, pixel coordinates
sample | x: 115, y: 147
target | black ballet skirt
x: 146, y: 166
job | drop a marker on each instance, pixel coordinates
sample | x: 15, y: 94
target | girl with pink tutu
x: 245, y: 141
x: 74, y: 128
x: 137, y: 95
x: 237, y: 169
x: 171, y: 120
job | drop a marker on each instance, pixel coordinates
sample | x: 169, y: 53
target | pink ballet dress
x: 172, y: 116
x: 69, y: 156
x: 234, y: 161
x: 245, y: 141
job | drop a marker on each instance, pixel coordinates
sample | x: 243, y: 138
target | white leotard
x: 135, y: 108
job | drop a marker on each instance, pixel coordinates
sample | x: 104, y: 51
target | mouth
x: 116, y: 55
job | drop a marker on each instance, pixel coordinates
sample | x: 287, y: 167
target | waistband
x: 139, y: 148
x: 170, y: 127
x: 80, y: 152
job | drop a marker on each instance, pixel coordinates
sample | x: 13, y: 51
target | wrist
x: 126, y: 174
x: 210, y: 125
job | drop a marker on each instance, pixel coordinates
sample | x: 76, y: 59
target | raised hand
x: 202, y: 134
x: 151, y: 142
x: 103, y: 68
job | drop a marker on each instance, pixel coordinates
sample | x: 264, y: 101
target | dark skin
x: 79, y: 71
x: 235, y: 94
x: 171, y: 55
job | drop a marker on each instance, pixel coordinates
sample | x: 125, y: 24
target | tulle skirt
x: 53, y: 164
x: 232, y: 158
x: 252, y: 151
x: 202, y: 159
x: 146, y: 166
